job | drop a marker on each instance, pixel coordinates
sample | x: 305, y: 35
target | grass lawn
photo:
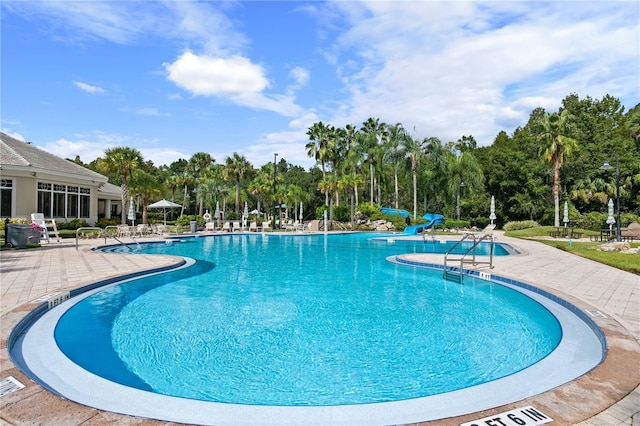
x: 625, y: 261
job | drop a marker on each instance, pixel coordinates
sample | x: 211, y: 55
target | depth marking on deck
x: 525, y: 416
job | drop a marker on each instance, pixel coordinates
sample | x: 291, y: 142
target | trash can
x: 192, y: 225
x: 17, y: 235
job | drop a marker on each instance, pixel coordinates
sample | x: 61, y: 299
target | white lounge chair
x: 236, y: 226
x: 210, y: 227
x: 266, y: 226
x: 253, y: 227
x: 226, y: 227
x: 38, y: 219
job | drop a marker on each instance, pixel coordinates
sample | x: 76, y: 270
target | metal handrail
x: 105, y: 234
x: 472, y: 249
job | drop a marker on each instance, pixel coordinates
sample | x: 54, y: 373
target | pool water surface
x: 309, y: 320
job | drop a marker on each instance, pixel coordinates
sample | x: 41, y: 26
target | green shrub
x: 524, y: 224
x: 456, y: 224
x: 72, y: 224
x: 370, y: 210
x: 185, y: 220
x: 342, y: 213
x: 320, y: 212
x: 103, y: 223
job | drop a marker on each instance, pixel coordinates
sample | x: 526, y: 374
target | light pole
x: 275, y: 171
x: 607, y: 166
x: 458, y: 200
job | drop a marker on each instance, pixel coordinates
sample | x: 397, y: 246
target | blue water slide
x: 431, y: 218
x: 398, y: 212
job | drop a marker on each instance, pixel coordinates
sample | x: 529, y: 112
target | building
x: 35, y: 181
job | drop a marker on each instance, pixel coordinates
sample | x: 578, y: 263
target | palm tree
x: 198, y: 164
x: 320, y: 145
x: 147, y: 187
x: 394, y: 154
x: 464, y: 171
x: 237, y: 167
x: 260, y: 187
x: 123, y: 161
x: 185, y: 180
x: 414, y: 150
x: 556, y: 145
x: 373, y: 132
x: 327, y: 186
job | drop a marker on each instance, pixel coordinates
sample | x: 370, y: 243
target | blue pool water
x: 303, y: 320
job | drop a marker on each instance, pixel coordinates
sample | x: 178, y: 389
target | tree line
x: 555, y: 157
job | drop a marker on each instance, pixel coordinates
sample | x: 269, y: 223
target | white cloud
x: 147, y: 111
x: 87, y: 87
x: 300, y: 76
x: 205, y: 76
x: 92, y: 146
x: 234, y: 78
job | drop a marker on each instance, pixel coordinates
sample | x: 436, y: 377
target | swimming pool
x: 247, y: 295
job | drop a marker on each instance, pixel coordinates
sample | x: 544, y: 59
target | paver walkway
x: 26, y: 275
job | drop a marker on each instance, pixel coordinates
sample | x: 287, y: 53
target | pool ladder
x: 455, y: 273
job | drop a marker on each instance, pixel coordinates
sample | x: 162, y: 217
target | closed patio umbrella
x: 164, y: 205
x: 610, y: 219
x: 492, y: 209
x: 245, y: 215
x: 132, y: 212
x: 565, y: 219
x: 216, y: 213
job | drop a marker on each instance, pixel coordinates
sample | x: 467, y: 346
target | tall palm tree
x: 464, y: 171
x: 147, y: 187
x: 328, y: 185
x: 394, y: 155
x: 414, y: 150
x: 198, y: 164
x: 373, y: 132
x: 236, y: 168
x: 320, y: 145
x: 260, y: 187
x: 556, y: 145
x: 123, y: 161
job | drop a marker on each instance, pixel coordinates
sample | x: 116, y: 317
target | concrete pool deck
x: 607, y: 396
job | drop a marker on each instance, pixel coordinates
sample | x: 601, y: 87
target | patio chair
x: 236, y: 226
x: 158, y: 229
x: 210, y: 227
x: 144, y: 230
x: 226, y: 227
x: 253, y: 227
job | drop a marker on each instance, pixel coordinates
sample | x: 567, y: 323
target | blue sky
x: 172, y: 78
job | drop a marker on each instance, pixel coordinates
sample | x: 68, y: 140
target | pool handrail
x: 478, y: 237
x: 105, y: 234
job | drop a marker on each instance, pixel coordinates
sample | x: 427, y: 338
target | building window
x: 62, y: 201
x: 6, y: 197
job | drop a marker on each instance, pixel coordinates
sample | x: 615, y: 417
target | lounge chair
x: 144, y: 230
x: 226, y: 227
x: 266, y: 226
x: 124, y: 231
x: 210, y: 227
x: 38, y: 219
x: 253, y: 227
x: 488, y: 230
x: 236, y: 226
